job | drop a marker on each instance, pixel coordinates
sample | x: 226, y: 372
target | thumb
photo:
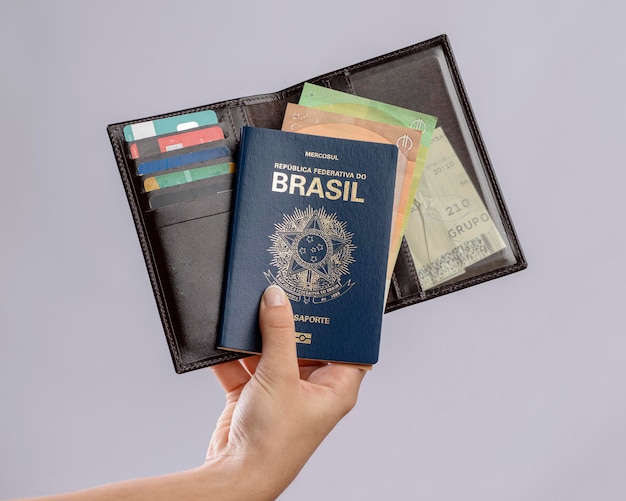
x: 278, y: 356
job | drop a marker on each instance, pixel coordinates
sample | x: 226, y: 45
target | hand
x: 277, y: 411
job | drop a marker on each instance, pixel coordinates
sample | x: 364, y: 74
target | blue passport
x: 313, y: 215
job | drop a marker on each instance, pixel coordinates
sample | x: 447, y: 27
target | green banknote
x: 334, y: 101
x: 449, y: 227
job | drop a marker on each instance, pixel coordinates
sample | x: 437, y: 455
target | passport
x: 312, y: 215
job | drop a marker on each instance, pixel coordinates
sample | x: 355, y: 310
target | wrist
x: 234, y: 478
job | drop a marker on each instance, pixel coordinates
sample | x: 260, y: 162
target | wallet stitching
x: 411, y: 264
x: 433, y: 42
x: 210, y: 361
x: 396, y: 285
x: 346, y: 75
x: 146, y: 248
x: 348, y: 81
x: 244, y: 114
x: 479, y: 279
x: 231, y: 121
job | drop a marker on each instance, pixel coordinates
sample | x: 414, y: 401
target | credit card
x: 180, y: 160
x: 187, y: 176
x: 207, y: 187
x: 171, y: 142
x: 179, y: 123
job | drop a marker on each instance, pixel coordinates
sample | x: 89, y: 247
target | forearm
x: 212, y: 481
x: 277, y: 413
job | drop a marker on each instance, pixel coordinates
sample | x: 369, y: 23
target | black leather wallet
x: 184, y: 244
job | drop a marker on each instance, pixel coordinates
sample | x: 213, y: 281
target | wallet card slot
x: 267, y: 111
x: 180, y: 140
x: 226, y: 142
x: 338, y: 81
x: 174, y: 160
x: 187, y: 174
x: 208, y: 200
x: 193, y: 252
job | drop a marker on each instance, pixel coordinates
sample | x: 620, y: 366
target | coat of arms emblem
x: 311, y: 251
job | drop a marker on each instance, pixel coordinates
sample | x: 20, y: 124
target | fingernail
x: 274, y: 296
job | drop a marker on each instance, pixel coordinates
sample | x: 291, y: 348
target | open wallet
x: 459, y: 232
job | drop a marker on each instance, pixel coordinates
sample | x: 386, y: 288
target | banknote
x: 334, y: 101
x: 317, y: 122
x: 449, y: 226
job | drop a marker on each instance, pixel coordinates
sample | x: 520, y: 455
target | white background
x: 510, y: 390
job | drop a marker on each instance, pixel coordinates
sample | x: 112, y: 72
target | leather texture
x: 185, y: 245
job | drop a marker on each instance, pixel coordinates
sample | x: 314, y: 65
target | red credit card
x: 171, y: 142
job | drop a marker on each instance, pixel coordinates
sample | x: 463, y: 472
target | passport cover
x: 313, y: 215
x: 185, y: 245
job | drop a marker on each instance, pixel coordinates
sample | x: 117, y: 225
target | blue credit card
x: 180, y: 160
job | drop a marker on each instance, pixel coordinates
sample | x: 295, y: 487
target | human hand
x: 278, y: 410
